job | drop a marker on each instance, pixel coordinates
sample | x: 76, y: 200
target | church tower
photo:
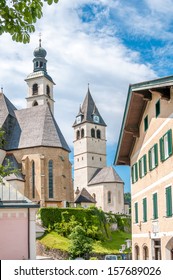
x: 89, y: 143
x: 40, y: 84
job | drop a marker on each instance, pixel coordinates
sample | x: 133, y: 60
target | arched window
x: 145, y: 253
x: 77, y: 134
x: 33, y: 179
x: 98, y: 134
x: 35, y: 89
x: 82, y: 133
x: 48, y: 90
x: 109, y: 197
x: 41, y: 64
x: 136, y: 252
x: 93, y: 132
x: 50, y: 178
x: 35, y: 103
x: 94, y: 196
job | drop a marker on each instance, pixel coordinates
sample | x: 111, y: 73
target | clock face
x: 78, y: 119
x: 96, y: 119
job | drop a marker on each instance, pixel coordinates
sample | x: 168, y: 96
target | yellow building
x: 34, y: 143
x: 145, y: 143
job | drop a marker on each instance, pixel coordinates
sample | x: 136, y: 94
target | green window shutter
x: 136, y: 212
x: 149, y: 160
x: 155, y: 206
x: 136, y: 172
x: 145, y: 164
x: 132, y: 172
x: 169, y: 202
x: 170, y: 142
x: 162, y: 156
x: 156, y: 154
x: 140, y: 168
x: 144, y: 209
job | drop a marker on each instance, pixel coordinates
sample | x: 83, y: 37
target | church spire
x: 40, y: 60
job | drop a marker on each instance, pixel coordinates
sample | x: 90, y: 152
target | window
x: 41, y: 64
x: 35, y: 89
x: 109, y: 197
x: 166, y: 145
x: 48, y: 90
x: 157, y: 107
x: 50, y: 178
x: 136, y: 212
x: 77, y: 134
x: 153, y: 157
x: 98, y: 134
x: 93, y: 133
x: 155, y: 206
x: 136, y: 252
x: 33, y: 179
x: 168, y: 202
x: 134, y: 173
x: 82, y: 133
x: 145, y: 209
x: 35, y: 103
x: 146, y: 123
x: 143, y: 166
x: 145, y: 253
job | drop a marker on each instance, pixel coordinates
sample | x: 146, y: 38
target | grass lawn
x: 111, y: 246
x: 54, y: 240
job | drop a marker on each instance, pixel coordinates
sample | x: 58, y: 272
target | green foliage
x: 7, y: 168
x: 17, y: 17
x: 63, y: 221
x: 81, y: 245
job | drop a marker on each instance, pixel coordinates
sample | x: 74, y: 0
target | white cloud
x: 78, y: 53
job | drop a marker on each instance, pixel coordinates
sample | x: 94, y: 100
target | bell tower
x: 40, y: 84
x: 89, y: 143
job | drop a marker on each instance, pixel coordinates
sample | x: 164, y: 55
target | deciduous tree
x: 17, y: 17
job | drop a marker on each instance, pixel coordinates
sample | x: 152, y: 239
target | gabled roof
x: 89, y: 109
x: 31, y: 127
x: 138, y: 97
x: 84, y: 196
x: 6, y: 108
x: 105, y: 175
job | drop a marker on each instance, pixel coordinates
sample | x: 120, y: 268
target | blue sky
x: 107, y: 43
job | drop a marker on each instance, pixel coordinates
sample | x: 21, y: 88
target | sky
x: 106, y: 43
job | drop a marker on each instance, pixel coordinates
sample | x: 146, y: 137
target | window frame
x: 153, y: 157
x: 134, y: 171
x: 166, y: 151
x: 157, y: 108
x: 142, y: 166
x: 146, y: 123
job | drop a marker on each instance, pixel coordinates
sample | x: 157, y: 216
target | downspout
x: 28, y: 234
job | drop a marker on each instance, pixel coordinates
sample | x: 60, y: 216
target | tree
x: 6, y: 169
x: 81, y: 245
x: 17, y: 17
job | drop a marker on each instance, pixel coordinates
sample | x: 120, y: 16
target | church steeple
x: 40, y: 84
x: 39, y: 60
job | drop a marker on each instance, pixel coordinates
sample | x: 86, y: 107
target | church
x: 34, y: 143
x: 91, y: 174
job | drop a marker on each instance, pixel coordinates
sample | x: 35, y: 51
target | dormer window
x: 78, y: 119
x: 35, y: 89
x: 96, y: 119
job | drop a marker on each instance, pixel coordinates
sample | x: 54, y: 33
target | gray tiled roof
x: 88, y: 109
x: 105, y: 175
x: 31, y: 127
x: 6, y: 108
x: 84, y: 196
x: 13, y: 165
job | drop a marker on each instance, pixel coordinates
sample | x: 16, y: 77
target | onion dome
x: 40, y: 52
